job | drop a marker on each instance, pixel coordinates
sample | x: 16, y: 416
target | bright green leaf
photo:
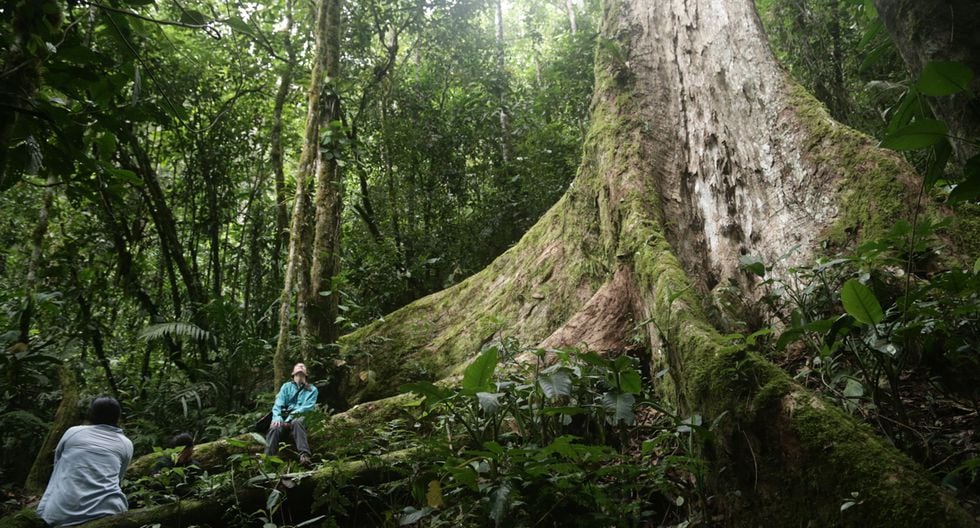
x: 753, y: 264
x: 860, y: 302
x: 479, y: 373
x: 629, y: 381
x: 917, y: 135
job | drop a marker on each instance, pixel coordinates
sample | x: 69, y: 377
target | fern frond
x: 176, y: 329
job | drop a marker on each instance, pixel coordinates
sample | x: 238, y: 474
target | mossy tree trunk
x: 313, y: 255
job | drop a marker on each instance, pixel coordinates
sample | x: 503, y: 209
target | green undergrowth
x: 581, y: 442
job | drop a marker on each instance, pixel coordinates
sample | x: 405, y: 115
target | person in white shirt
x: 89, y: 464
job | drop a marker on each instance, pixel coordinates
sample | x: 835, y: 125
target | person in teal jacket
x: 296, y: 397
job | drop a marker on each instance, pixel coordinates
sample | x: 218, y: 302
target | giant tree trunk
x: 701, y: 149
x: 941, y: 30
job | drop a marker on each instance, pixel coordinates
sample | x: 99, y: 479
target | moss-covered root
x: 356, y: 423
x: 821, y: 459
x: 796, y: 460
x: 185, y: 513
x: 210, y: 455
x: 300, y: 494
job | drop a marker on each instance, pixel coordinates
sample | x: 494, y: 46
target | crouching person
x: 296, y: 397
x: 89, y: 464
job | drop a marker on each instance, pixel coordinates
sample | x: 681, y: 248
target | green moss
x: 845, y: 455
x: 876, y: 184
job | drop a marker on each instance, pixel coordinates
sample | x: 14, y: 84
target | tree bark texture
x: 329, y: 190
x: 313, y: 254
x: 941, y: 30
x: 701, y: 149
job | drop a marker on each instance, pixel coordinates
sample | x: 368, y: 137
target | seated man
x: 89, y: 463
x: 295, y: 397
x: 184, y: 459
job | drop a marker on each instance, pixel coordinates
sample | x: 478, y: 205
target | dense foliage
x: 147, y: 165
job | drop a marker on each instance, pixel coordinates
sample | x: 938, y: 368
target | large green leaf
x: 619, y: 407
x: 478, y: 376
x: 556, y: 384
x: 917, y: 135
x: 969, y: 188
x: 753, y: 264
x: 860, y: 302
x: 630, y: 381
x: 944, y: 78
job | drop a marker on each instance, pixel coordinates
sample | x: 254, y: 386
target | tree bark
x: 285, y: 82
x: 941, y: 30
x: 570, y: 11
x: 303, y: 279
x: 323, y: 296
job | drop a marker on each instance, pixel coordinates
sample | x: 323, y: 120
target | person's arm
x: 60, y: 449
x: 305, y: 402
x: 127, y: 457
x: 278, y: 405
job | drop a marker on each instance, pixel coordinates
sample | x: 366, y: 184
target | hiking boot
x: 304, y: 460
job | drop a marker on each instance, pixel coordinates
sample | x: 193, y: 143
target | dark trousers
x: 295, y: 428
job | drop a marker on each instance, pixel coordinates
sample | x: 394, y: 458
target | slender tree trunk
x: 323, y: 296
x: 130, y: 278
x: 33, y: 265
x: 944, y: 31
x: 298, y: 277
x: 165, y: 223
x: 281, y: 239
x: 570, y: 10
x: 211, y: 177
x: 502, y: 85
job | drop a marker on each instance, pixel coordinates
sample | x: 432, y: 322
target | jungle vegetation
x: 551, y: 262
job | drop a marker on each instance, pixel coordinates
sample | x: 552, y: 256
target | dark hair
x: 104, y: 411
x: 182, y: 440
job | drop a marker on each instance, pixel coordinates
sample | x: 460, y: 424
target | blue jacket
x: 298, y: 404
